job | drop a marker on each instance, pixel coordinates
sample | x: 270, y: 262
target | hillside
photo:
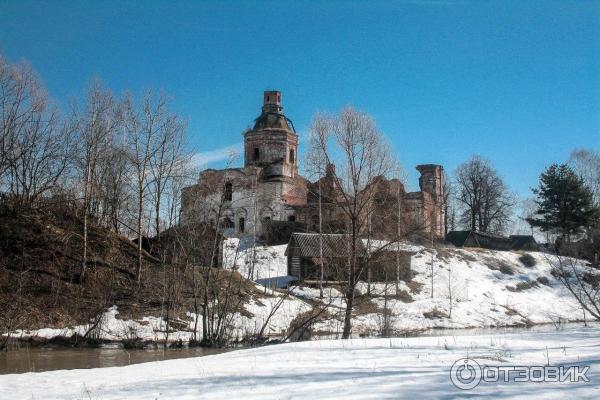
x: 40, y: 263
x: 40, y: 260
x: 488, y: 288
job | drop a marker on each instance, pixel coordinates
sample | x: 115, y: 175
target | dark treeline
x: 122, y: 160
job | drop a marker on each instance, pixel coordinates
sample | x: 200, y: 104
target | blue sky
x: 517, y: 82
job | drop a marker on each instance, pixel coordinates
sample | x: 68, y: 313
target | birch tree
x: 96, y: 124
x: 363, y: 155
x: 142, y: 127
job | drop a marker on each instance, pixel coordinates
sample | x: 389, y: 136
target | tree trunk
x: 348, y: 313
x: 138, y: 272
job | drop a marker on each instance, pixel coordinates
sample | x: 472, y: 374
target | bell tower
x: 272, y: 143
x: 272, y: 102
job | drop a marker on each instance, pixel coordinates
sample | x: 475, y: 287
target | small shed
x: 478, y: 239
x: 523, y: 242
x: 304, y: 251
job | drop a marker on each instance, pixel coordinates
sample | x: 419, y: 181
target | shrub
x: 506, y: 269
x: 522, y: 286
x: 528, y: 260
x: 404, y: 296
x: 544, y: 281
x: 435, y: 313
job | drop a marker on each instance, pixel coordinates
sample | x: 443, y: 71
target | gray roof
x: 334, y: 245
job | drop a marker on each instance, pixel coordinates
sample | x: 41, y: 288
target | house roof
x: 457, y: 238
x: 520, y: 241
x: 334, y: 245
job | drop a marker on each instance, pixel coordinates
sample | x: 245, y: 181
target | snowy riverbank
x: 358, y: 368
x: 472, y: 288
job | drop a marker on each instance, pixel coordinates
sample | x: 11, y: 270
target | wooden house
x: 478, y: 239
x: 304, y: 252
x: 380, y: 262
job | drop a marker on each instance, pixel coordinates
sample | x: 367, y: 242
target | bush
x: 522, y: 286
x: 435, y: 313
x: 528, y: 260
x: 544, y: 281
x: 506, y: 269
x: 404, y: 296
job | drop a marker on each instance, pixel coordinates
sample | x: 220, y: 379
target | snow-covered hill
x: 471, y: 288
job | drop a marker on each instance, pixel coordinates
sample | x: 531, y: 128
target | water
x: 38, y: 359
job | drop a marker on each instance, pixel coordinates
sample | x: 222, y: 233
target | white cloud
x: 205, y: 158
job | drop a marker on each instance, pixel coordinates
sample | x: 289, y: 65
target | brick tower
x: 431, y: 183
x: 272, y: 143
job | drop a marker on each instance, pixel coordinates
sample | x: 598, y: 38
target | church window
x: 227, y: 223
x: 256, y: 155
x: 292, y: 156
x: 228, y: 191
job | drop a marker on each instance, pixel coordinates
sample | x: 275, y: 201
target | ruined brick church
x: 267, y: 193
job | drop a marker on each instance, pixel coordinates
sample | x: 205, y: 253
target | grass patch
x: 506, y: 269
x: 521, y: 286
x: 544, y: 281
x: 415, y: 287
x: 435, y: 314
x: 404, y: 296
x: 528, y: 260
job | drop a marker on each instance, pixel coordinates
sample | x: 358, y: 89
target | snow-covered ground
x: 487, y: 288
x: 471, y: 288
x: 330, y: 369
x: 258, y: 262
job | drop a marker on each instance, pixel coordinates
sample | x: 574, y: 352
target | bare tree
x: 96, y: 126
x: 484, y: 198
x: 167, y: 162
x: 586, y: 163
x: 143, y: 127
x: 449, y: 207
x: 316, y: 166
x: 21, y: 96
x: 581, y: 279
x: 363, y: 155
x: 35, y: 142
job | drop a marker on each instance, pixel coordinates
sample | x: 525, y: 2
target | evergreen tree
x: 564, y: 203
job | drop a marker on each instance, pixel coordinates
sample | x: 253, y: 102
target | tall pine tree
x: 564, y: 203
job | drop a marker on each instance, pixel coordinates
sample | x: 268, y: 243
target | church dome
x: 273, y: 120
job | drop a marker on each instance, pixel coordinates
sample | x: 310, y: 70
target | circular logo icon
x: 465, y: 373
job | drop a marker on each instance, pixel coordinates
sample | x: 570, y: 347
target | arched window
x: 266, y: 213
x: 256, y: 154
x: 241, y: 224
x: 228, y: 191
x: 292, y: 156
x: 227, y: 223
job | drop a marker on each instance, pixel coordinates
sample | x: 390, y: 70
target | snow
x: 269, y: 261
x: 284, y: 309
x: 409, y: 368
x: 481, y: 297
